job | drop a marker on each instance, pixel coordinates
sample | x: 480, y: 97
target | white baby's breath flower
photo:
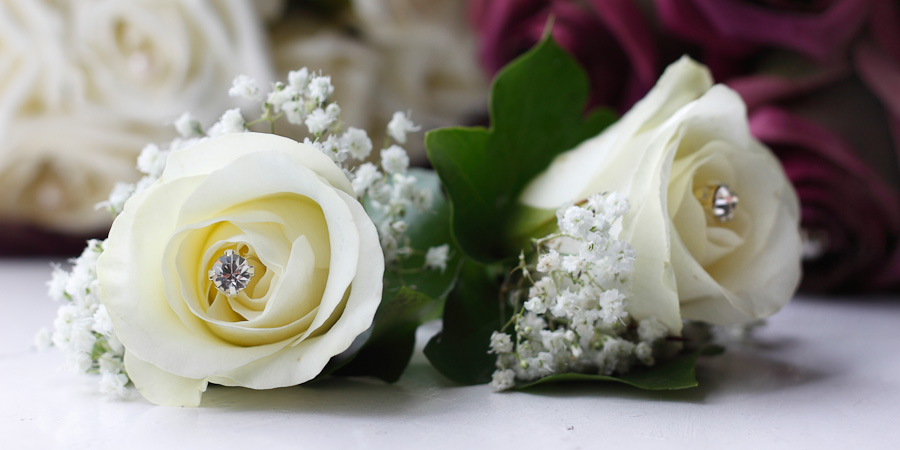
x: 644, y: 353
x: 43, y: 339
x: 56, y: 287
x: 651, y: 329
x: 245, y: 87
x: 333, y: 148
x: 187, y: 126
x: 503, y: 380
x: 152, y: 160
x: 333, y: 111
x: 120, y: 193
x: 113, y: 384
x: 399, y: 125
x: 536, y: 305
x: 357, y: 142
x: 500, y: 343
x: 320, y: 89
x: 230, y: 122
x: 365, y: 175
x: 394, y: 160
x: 294, y: 111
x: 422, y: 199
x: 548, y: 262
x: 298, y: 79
x: 78, y: 362
x: 436, y: 257
x: 279, y: 95
x: 576, y: 221
x: 318, y: 121
x: 102, y: 323
x: 612, y: 306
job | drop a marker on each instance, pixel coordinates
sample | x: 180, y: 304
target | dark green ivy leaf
x: 537, y: 112
x: 471, y: 314
x: 677, y: 373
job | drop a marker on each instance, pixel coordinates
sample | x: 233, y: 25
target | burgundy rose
x: 851, y: 217
x: 877, y: 61
x: 610, y: 38
x: 730, y: 31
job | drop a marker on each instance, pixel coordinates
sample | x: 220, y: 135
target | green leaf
x: 471, y: 314
x: 677, y: 373
x: 412, y: 295
x: 536, y: 109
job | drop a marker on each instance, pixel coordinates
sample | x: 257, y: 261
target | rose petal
x: 161, y: 387
x: 218, y: 152
x: 136, y: 299
x: 306, y: 358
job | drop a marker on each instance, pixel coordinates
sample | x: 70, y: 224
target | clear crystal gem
x: 231, y: 273
x: 724, y: 202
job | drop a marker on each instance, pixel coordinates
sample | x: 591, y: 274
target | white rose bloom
x: 84, y: 84
x: 287, y: 209
x: 683, y: 136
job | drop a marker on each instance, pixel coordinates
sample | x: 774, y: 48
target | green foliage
x: 412, y: 295
x: 677, y: 373
x: 471, y: 314
x: 537, y: 112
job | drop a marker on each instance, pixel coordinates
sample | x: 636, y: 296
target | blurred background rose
x: 388, y: 55
x: 85, y: 84
x: 821, y: 79
x: 610, y: 38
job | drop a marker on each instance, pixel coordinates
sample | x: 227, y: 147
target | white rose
x: 292, y: 214
x: 85, y: 83
x: 685, y: 135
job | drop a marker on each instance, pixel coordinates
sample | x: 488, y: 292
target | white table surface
x: 824, y: 373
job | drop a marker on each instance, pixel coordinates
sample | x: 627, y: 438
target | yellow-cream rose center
x: 289, y: 252
x: 692, y: 189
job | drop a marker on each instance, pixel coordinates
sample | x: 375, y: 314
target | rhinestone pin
x: 231, y: 273
x: 724, y: 202
x: 720, y: 201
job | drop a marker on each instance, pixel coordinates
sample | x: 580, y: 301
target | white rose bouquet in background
x: 85, y: 84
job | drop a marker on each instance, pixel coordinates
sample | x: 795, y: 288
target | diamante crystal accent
x: 231, y: 273
x: 724, y: 202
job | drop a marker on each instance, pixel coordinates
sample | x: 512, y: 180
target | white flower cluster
x: 572, y: 317
x: 387, y: 192
x: 82, y: 328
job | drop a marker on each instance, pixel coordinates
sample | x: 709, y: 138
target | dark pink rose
x: 877, y: 61
x: 610, y: 38
x: 851, y: 216
x: 730, y: 31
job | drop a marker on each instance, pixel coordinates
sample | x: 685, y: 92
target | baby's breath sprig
x: 570, y: 303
